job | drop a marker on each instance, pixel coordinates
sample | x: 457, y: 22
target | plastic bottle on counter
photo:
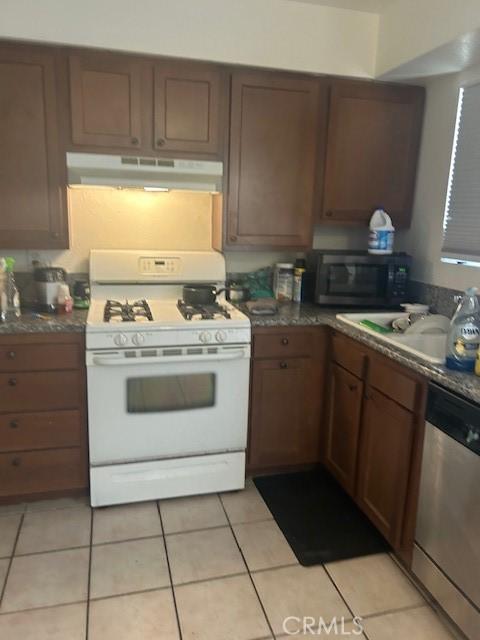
x: 298, y: 272
x: 382, y: 232
x: 10, y: 297
x: 283, y: 281
x: 3, y: 292
x: 463, y: 339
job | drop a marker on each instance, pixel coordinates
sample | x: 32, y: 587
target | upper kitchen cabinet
x: 32, y: 202
x: 273, y: 143
x: 371, y: 153
x: 188, y: 108
x: 106, y: 101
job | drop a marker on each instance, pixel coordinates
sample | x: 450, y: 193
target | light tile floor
x: 202, y: 568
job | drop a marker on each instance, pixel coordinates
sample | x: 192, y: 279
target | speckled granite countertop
x: 467, y: 385
x: 32, y: 322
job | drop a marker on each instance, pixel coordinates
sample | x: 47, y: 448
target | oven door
x: 358, y: 282
x: 143, y: 406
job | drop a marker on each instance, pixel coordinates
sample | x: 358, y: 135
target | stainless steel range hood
x: 143, y: 173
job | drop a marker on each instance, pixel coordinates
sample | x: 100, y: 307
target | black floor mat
x: 320, y: 521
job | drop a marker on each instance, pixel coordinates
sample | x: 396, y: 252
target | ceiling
x: 369, y: 6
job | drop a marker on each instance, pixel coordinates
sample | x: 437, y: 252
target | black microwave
x: 357, y: 278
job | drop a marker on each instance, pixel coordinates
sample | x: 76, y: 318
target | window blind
x: 461, y: 239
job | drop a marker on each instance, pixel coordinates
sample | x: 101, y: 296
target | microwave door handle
x: 108, y: 361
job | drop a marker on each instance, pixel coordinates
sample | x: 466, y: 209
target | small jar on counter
x: 283, y: 281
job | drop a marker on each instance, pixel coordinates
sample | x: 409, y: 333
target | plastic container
x: 463, y: 339
x: 10, y: 296
x: 3, y: 291
x: 283, y: 281
x: 382, y: 232
x: 298, y: 271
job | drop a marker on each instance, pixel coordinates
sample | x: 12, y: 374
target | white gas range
x: 167, y: 384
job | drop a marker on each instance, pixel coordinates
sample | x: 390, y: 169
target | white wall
x: 411, y: 28
x: 266, y: 33
x: 113, y: 219
x: 424, y: 239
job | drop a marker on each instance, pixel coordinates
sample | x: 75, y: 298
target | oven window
x: 356, y: 280
x: 170, y: 393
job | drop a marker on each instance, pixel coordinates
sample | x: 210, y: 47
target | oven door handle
x: 108, y: 361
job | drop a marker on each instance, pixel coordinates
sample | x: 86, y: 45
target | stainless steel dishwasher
x: 447, y: 540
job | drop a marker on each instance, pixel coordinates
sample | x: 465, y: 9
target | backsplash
x: 440, y: 299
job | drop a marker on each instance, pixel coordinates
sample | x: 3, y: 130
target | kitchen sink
x: 427, y: 346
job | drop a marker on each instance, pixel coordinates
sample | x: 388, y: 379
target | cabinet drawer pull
x: 160, y: 142
x: 284, y: 341
x: 283, y: 365
x: 11, y: 355
x: 16, y: 462
x: 12, y: 382
x: 13, y: 424
x: 134, y: 140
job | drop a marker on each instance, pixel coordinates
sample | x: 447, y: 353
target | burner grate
x: 126, y: 311
x: 212, y: 311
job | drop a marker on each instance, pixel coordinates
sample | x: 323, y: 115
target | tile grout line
x: 87, y: 613
x: 169, y: 572
x: 248, y: 569
x: 12, y: 555
x: 337, y: 589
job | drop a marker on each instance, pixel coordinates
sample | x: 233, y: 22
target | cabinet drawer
x: 348, y: 355
x: 45, y: 391
x: 283, y: 344
x: 49, y: 429
x: 42, y: 471
x: 393, y: 383
x: 38, y: 357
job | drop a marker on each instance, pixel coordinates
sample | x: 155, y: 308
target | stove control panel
x: 159, y: 266
x: 120, y: 339
x: 205, y: 336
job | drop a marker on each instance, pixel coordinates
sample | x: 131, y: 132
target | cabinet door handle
x: 55, y: 234
x: 134, y: 140
x: 233, y: 238
x: 329, y: 214
x: 16, y: 462
x: 13, y: 424
x: 283, y: 365
x: 285, y: 341
x: 12, y: 382
x: 352, y: 387
x: 160, y: 142
x: 11, y: 355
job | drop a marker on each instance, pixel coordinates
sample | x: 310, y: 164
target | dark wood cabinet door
x: 343, y: 426
x: 384, y: 463
x: 188, y: 108
x: 371, y: 155
x: 284, y: 413
x: 106, y: 101
x: 32, y: 198
x: 273, y: 139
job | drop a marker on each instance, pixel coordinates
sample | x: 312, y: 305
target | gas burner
x: 212, y: 311
x: 138, y: 311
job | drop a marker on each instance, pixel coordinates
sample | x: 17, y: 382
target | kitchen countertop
x: 32, y: 322
x: 289, y: 315
x: 466, y: 385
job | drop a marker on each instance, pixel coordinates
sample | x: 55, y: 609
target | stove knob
x: 120, y: 339
x: 205, y: 336
x: 220, y: 336
x: 138, y: 339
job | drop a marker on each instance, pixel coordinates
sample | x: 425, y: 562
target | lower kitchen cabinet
x: 373, y: 437
x: 286, y: 397
x: 43, y: 432
x: 342, y: 428
x: 384, y: 463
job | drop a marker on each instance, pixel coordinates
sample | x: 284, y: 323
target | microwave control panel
x: 400, y: 280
